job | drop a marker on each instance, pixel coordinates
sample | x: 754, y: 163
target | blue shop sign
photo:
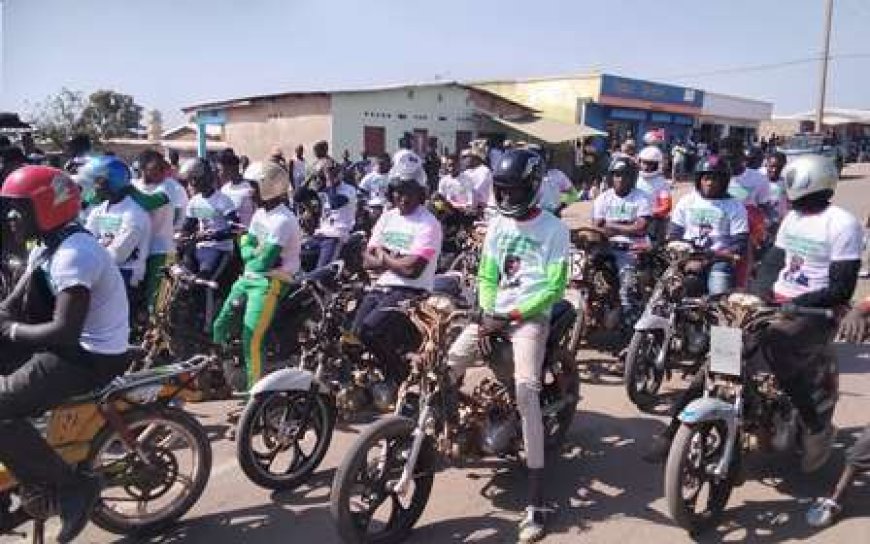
x: 683, y: 120
x: 635, y: 89
x: 631, y: 115
x: 660, y: 117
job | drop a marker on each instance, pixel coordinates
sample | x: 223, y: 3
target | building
x: 447, y: 115
x: 619, y: 106
x: 723, y: 115
x: 849, y: 125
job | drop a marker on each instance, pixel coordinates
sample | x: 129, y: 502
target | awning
x: 548, y: 130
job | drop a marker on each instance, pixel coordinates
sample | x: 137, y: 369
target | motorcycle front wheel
x: 642, y: 379
x: 143, y: 498
x: 696, y: 498
x: 283, y: 436
x: 364, y: 506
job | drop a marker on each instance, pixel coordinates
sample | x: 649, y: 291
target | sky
x: 171, y: 53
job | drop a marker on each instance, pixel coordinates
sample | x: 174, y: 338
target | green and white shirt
x: 523, y: 267
x: 124, y: 229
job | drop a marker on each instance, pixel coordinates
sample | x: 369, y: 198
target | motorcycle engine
x: 696, y: 338
x: 499, y: 432
x: 383, y: 396
x: 38, y: 502
x: 352, y: 398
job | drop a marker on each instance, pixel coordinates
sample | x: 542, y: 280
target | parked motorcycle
x: 392, y: 465
x: 593, y: 282
x: 741, y: 399
x: 672, y: 329
x: 154, y: 458
x: 287, y: 425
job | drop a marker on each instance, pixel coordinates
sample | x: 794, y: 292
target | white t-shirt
x: 711, y: 223
x: 418, y: 233
x: 80, y: 260
x: 525, y: 251
x: 124, y: 229
x: 653, y: 185
x: 165, y: 219
x: 299, y: 168
x: 339, y: 222
x: 280, y: 227
x: 457, y: 190
x: 751, y: 188
x: 242, y: 195
x: 555, y: 183
x: 779, y: 198
x: 212, y: 214
x: 375, y: 184
x: 625, y: 210
x: 811, y: 243
x: 480, y: 178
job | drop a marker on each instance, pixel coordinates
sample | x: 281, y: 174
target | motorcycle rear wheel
x: 169, y: 432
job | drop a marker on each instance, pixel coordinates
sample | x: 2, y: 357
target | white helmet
x: 409, y: 166
x: 809, y: 174
x: 272, y: 179
x: 650, y: 154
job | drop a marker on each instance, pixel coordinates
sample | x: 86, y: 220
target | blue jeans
x: 720, y: 278
x: 328, y: 248
x: 626, y: 265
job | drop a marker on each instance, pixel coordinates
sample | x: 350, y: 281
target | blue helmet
x: 111, y: 168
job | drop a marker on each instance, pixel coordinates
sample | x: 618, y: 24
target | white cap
x: 272, y: 179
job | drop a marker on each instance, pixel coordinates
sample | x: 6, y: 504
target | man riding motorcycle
x: 375, y: 185
x: 209, y: 223
x: 712, y: 220
x: 624, y: 210
x: 523, y: 272
x: 118, y: 222
x: 337, y: 216
x: 240, y: 190
x: 64, y: 330
x: 815, y: 262
x: 652, y: 182
x: 404, y: 249
x: 271, y: 254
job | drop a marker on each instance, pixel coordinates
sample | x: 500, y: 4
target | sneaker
x: 658, y: 451
x: 817, y: 449
x: 75, y: 505
x: 532, y: 525
x: 823, y: 512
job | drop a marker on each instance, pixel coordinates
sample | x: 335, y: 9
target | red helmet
x: 54, y: 198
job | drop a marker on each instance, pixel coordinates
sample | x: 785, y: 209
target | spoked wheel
x: 696, y: 497
x: 283, y: 437
x: 642, y: 379
x: 145, y: 497
x: 578, y: 329
x: 364, y: 504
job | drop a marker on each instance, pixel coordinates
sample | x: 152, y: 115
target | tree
x: 112, y: 115
x: 59, y: 117
x: 105, y: 114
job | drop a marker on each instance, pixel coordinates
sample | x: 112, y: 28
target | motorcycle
x: 154, y: 458
x: 393, y: 463
x: 672, y: 328
x: 593, y: 282
x: 293, y: 411
x: 741, y: 399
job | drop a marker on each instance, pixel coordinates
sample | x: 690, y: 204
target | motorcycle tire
x: 680, y: 461
x: 578, y: 328
x: 115, y: 522
x: 319, y: 408
x: 642, y: 380
x: 566, y: 387
x: 394, y: 429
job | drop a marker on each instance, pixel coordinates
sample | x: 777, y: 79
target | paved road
x: 604, y: 492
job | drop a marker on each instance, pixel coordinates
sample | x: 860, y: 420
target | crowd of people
x: 105, y: 230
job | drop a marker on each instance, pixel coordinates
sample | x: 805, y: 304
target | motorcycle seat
x: 447, y: 284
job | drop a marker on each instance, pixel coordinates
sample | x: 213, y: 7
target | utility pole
x: 823, y: 75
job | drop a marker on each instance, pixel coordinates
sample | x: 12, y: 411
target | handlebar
x: 806, y: 311
x: 182, y: 274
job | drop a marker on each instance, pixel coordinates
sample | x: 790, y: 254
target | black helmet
x: 754, y: 157
x: 713, y: 165
x: 197, y: 173
x: 517, y: 169
x: 625, y: 167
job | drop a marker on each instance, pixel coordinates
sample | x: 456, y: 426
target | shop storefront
x: 629, y: 108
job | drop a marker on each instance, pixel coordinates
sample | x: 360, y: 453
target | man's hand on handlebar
x: 855, y: 325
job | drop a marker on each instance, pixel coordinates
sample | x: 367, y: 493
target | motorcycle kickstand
x: 38, y: 531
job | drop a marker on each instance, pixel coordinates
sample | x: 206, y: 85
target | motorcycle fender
x: 649, y: 321
x: 288, y: 379
x: 708, y: 409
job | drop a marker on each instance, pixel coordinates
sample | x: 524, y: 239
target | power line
x: 762, y: 67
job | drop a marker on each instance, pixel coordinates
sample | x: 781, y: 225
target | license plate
x: 726, y: 350
x: 578, y: 263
